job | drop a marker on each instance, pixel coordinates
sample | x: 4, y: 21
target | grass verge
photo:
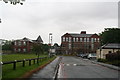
x: 9, y: 73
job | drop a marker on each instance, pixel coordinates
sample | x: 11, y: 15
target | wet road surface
x: 76, y: 69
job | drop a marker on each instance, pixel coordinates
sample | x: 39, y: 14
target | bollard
x: 34, y: 61
x: 29, y: 62
x: 37, y: 61
x: 24, y: 63
x: 14, y: 65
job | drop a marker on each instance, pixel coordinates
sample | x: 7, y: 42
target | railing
x: 23, y: 62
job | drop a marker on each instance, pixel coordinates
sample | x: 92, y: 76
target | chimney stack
x: 83, y: 32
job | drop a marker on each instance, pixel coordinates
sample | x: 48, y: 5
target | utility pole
x: 0, y: 20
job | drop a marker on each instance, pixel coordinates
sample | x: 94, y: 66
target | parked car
x: 92, y: 56
x: 82, y: 55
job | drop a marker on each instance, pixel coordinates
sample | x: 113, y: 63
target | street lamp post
x: 50, y: 43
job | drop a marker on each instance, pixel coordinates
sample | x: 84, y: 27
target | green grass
x: 13, y: 57
x: 7, y: 69
x: 8, y: 72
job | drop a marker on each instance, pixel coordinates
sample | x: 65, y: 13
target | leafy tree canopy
x: 110, y: 35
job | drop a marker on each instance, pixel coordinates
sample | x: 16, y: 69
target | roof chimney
x: 83, y: 32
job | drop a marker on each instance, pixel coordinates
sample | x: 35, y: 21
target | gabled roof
x: 24, y: 39
x: 111, y: 46
x: 39, y: 39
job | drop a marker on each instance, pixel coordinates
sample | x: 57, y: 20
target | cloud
x: 42, y: 17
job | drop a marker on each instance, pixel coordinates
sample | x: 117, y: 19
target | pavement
x: 47, y: 73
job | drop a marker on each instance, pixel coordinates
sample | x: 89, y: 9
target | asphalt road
x: 78, y: 68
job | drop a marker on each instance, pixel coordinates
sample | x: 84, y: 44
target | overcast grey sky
x: 41, y: 17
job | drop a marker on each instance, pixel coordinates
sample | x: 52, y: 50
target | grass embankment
x: 8, y: 72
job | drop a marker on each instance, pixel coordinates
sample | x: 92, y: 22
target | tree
x: 38, y: 49
x: 7, y: 45
x: 45, y: 48
x: 110, y: 35
x: 14, y: 2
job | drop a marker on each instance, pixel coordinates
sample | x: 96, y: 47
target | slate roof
x: 38, y: 40
x: 80, y: 35
x: 25, y: 39
x: 111, y: 46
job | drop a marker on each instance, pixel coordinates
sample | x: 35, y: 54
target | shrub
x: 113, y: 56
x: 102, y: 60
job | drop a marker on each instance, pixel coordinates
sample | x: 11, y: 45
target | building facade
x: 107, y: 49
x: 79, y: 43
x: 25, y: 44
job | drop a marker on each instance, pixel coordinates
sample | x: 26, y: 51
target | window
x: 76, y: 39
x: 15, y: 49
x: 92, y: 46
x: 73, y: 39
x: 87, y: 39
x: 84, y: 39
x: 98, y: 39
x: 69, y: 46
x: 19, y: 50
x: 63, y: 39
x: 92, y: 39
x: 109, y: 52
x: 95, y: 39
x: 80, y: 39
x: 24, y: 50
x: 15, y: 43
x: 19, y: 43
x: 69, y: 39
x: 24, y: 43
x: 66, y: 39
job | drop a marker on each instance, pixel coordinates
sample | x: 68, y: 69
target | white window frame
x: 24, y: 42
x: 19, y: 43
x: 77, y: 39
x: 70, y: 39
x: 98, y: 39
x: 66, y: 39
x: 81, y: 39
x: 85, y: 39
x: 74, y: 39
x: 88, y: 39
x: 15, y: 43
x: 19, y: 50
x: 24, y: 50
x: 95, y: 39
x: 92, y: 39
x: 63, y: 39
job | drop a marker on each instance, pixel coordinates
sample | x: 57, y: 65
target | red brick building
x: 25, y: 44
x: 79, y: 43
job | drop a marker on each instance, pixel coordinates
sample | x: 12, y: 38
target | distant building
x: 25, y: 44
x: 79, y: 43
x: 107, y: 49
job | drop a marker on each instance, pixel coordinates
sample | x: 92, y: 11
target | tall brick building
x: 79, y: 43
x: 25, y: 44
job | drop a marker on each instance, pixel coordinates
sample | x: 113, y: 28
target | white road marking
x: 68, y: 64
x: 74, y: 64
